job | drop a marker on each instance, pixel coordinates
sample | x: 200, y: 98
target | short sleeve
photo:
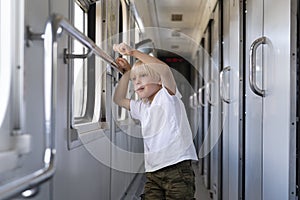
x: 135, y: 109
x: 177, y: 93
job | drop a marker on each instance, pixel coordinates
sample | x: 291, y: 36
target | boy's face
x: 145, y: 85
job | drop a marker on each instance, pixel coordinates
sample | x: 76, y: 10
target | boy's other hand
x: 123, y: 49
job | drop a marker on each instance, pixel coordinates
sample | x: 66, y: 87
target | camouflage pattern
x: 173, y: 182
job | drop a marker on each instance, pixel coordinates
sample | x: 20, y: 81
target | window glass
x: 88, y: 75
x: 5, y: 56
x: 80, y: 67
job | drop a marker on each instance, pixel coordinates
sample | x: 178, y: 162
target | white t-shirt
x: 166, y: 131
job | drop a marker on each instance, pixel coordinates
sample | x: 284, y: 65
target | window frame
x: 91, y: 121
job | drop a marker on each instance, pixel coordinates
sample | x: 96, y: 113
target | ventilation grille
x: 176, y: 17
x: 175, y: 47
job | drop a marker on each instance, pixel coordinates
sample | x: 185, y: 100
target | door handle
x: 226, y: 69
x: 200, y: 91
x: 252, y: 66
x: 193, y: 101
x: 209, y: 94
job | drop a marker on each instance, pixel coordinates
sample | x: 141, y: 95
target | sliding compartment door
x: 268, y: 99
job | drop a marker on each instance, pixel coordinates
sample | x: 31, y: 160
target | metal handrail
x: 60, y: 22
x: 52, y: 30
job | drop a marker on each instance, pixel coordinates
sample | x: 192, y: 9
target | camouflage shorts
x: 173, y: 182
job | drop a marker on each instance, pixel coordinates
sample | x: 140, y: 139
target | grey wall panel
x: 215, y: 114
x: 80, y: 176
x: 230, y: 124
x: 36, y: 13
x: 253, y: 115
x: 205, y: 146
x: 277, y: 108
x: 234, y: 94
x: 225, y: 122
x: 268, y: 118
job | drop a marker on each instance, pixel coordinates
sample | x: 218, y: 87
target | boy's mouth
x: 140, y: 88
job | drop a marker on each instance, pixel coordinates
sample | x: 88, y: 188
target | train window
x: 5, y: 72
x: 79, y: 67
x: 87, y: 77
x: 12, y: 110
x: 5, y: 58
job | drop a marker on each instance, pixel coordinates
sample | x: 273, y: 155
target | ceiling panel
x: 157, y: 13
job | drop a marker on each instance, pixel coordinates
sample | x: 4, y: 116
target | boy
x: 168, y: 142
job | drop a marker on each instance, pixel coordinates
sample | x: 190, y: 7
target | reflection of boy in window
x: 168, y: 142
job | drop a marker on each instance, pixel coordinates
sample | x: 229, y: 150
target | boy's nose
x: 137, y: 83
x: 138, y: 80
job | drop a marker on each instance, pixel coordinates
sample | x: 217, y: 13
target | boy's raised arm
x: 121, y: 89
x: 157, y: 65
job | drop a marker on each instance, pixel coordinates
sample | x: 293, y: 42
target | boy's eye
x: 143, y: 75
x: 134, y: 78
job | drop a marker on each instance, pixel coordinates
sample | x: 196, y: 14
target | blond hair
x: 141, y: 68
